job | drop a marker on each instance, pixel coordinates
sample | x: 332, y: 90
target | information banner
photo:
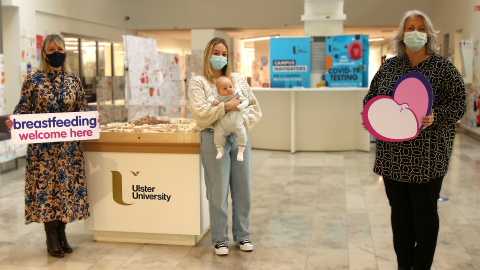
x: 290, y: 62
x: 54, y: 127
x: 344, y: 63
x: 365, y: 59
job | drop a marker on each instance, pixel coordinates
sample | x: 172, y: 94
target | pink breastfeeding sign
x: 54, y: 127
x: 398, y: 118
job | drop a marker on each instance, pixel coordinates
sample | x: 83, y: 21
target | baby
x: 232, y: 122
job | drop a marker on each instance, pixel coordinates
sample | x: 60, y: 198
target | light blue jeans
x: 221, y: 174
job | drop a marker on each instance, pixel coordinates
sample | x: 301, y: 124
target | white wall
x: 101, y: 12
x: 385, y: 12
x: 451, y: 17
x: 168, y: 45
x: 186, y: 14
x: 65, y: 25
x: 11, y: 48
x: 201, y: 37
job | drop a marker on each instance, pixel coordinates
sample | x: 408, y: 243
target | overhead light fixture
x: 258, y: 38
x: 376, y: 39
x: 249, y: 49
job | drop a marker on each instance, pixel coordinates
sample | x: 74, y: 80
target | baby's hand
x: 216, y: 102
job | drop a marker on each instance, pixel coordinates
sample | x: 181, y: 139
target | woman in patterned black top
x: 55, y: 184
x: 413, y: 170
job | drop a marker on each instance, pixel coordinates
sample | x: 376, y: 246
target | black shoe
x: 221, y: 249
x: 62, y: 238
x: 245, y: 245
x: 53, y: 246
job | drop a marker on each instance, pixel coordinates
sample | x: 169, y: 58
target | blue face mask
x: 218, y: 62
x: 415, y: 40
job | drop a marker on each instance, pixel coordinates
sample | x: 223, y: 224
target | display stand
x: 310, y: 119
x: 144, y: 191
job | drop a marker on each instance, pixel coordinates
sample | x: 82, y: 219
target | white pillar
x: 201, y: 37
x: 236, y: 54
x: 16, y: 16
x: 323, y: 17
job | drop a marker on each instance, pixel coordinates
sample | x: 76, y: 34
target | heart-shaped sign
x: 398, y: 119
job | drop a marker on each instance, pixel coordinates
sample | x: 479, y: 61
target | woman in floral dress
x: 55, y: 183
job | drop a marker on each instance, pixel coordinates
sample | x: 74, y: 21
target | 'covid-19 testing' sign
x: 54, y: 127
x: 343, y: 63
x: 290, y: 62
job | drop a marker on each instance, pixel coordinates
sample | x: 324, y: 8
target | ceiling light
x: 376, y: 39
x: 249, y: 49
x: 258, y: 38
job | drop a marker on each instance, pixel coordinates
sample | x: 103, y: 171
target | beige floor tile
x: 106, y: 265
x: 18, y: 267
x: 455, y: 265
x: 310, y: 210
x: 361, y: 256
x: 64, y: 265
x: 327, y: 259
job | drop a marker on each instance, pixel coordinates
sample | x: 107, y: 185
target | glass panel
x: 89, y: 68
x: 119, y: 64
x: 104, y: 59
x: 71, y: 45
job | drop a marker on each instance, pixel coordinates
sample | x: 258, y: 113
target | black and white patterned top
x: 428, y: 155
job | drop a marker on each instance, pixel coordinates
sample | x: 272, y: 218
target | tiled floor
x: 310, y: 211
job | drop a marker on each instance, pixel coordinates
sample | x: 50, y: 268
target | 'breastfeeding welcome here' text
x: 54, y: 127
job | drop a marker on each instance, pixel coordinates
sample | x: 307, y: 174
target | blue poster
x: 290, y: 62
x: 366, y: 58
x: 344, y: 63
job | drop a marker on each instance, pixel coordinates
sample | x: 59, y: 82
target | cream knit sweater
x: 206, y: 114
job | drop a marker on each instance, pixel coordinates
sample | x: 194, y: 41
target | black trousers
x: 415, y: 221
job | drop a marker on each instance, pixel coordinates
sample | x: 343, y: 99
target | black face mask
x: 55, y: 59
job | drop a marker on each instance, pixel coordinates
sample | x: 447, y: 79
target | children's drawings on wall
x: 171, y: 86
x: 194, y: 68
x: 143, y: 74
x: 155, y: 80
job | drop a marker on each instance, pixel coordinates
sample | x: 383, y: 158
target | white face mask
x: 415, y: 40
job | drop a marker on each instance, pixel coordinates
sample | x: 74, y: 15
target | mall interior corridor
x: 311, y: 210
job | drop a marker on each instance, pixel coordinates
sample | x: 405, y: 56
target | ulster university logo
x: 117, y: 185
x: 139, y: 192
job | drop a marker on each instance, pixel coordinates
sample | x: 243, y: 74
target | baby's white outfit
x: 231, y: 122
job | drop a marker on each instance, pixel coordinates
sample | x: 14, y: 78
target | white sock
x: 219, y: 152
x: 240, y: 153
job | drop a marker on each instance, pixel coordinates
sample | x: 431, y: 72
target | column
x: 16, y: 16
x: 323, y: 17
x: 201, y: 37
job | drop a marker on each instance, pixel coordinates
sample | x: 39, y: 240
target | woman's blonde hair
x: 397, y: 41
x: 207, y: 69
x: 44, y: 67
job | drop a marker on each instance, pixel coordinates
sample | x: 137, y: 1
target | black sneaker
x: 221, y: 249
x: 245, y: 245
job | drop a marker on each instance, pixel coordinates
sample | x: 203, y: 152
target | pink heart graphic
x: 398, y: 119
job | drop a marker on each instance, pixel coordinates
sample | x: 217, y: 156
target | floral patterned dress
x: 55, y: 183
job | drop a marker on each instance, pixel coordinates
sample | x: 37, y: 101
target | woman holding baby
x: 225, y: 167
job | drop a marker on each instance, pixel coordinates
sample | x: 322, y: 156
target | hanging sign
x: 398, y: 118
x: 54, y: 127
x: 343, y: 61
x: 290, y: 62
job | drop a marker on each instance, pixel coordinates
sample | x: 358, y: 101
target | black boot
x: 53, y: 246
x: 62, y: 238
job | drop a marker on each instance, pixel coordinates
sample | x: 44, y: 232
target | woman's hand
x: 428, y: 120
x: 363, y: 124
x: 232, y: 104
x: 8, y: 123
